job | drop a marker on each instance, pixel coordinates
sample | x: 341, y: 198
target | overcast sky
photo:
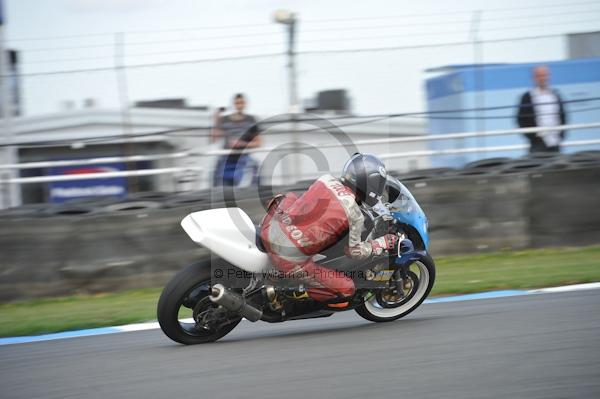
x: 81, y: 34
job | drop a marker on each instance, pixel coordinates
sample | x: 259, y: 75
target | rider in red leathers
x: 294, y: 229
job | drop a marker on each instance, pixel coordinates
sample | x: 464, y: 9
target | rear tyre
x: 424, y: 272
x: 184, y: 292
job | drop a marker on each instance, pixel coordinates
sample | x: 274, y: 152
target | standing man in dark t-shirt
x: 239, y: 131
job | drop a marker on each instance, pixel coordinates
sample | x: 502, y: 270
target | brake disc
x: 392, y: 297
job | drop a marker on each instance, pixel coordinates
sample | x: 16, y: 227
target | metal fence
x: 192, y: 157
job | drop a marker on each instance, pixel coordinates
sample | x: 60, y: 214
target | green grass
x: 455, y: 274
x: 75, y: 312
x: 516, y: 269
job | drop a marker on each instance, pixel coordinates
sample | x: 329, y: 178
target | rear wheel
x: 184, y: 300
x: 388, y: 305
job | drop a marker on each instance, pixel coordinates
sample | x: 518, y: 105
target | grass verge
x: 455, y: 274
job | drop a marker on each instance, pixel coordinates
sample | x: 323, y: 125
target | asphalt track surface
x: 536, y: 346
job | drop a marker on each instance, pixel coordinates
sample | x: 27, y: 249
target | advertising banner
x: 63, y: 191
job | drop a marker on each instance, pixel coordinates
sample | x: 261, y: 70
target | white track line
x: 568, y: 288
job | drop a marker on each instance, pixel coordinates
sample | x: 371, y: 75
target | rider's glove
x: 383, y: 243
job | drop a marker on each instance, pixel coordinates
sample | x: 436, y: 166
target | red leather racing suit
x: 294, y: 229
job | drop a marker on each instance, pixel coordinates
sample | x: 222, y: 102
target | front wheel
x: 183, y: 299
x: 386, y: 306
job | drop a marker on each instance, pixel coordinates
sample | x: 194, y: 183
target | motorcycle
x: 202, y: 304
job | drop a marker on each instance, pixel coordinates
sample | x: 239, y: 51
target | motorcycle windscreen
x: 405, y: 208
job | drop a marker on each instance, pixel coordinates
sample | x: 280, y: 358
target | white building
x: 98, y: 133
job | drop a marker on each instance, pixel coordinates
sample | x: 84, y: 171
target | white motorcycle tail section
x: 230, y: 234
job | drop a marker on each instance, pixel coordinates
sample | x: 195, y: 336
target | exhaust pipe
x: 234, y: 302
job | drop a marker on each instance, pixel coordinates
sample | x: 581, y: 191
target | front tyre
x: 421, y: 276
x: 185, y: 293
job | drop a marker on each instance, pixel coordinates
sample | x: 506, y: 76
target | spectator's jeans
x: 231, y: 169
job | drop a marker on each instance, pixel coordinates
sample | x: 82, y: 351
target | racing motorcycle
x: 206, y: 300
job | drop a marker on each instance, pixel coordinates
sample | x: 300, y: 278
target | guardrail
x: 100, y: 175
x: 416, y: 138
x: 286, y: 148
x: 453, y: 151
x: 94, y: 161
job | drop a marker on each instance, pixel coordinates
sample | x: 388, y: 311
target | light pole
x: 10, y: 194
x: 478, y: 69
x: 289, y: 19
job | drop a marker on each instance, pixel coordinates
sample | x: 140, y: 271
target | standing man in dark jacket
x: 542, y: 107
x: 240, y: 131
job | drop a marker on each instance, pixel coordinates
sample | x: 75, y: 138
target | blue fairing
x: 418, y: 222
x: 405, y: 209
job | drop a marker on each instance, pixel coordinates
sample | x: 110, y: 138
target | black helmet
x: 365, y: 174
